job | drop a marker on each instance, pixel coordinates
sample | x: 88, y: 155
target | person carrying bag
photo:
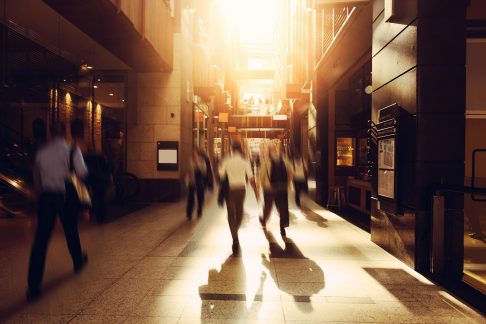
x: 77, y: 193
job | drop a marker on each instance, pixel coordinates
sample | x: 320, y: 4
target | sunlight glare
x: 252, y: 20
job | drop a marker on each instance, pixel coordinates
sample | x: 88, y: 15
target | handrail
x: 459, y: 189
x: 473, y: 172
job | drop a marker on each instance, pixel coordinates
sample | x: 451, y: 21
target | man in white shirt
x: 51, y: 171
x: 238, y: 170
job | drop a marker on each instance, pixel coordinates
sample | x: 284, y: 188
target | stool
x: 334, y: 197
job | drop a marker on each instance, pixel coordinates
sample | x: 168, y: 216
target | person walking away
x: 208, y: 176
x: 51, y: 171
x: 300, y: 177
x: 238, y: 170
x: 195, y: 179
x: 275, y: 174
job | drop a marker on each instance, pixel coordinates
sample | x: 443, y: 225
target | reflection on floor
x: 153, y: 266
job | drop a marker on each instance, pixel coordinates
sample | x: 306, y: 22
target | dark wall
x: 419, y: 63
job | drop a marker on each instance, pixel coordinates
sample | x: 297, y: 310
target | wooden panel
x: 134, y: 11
x: 396, y: 58
x: 477, y: 10
x: 383, y: 33
x: 158, y: 27
x: 440, y: 137
x: 442, y: 8
x: 441, y: 40
x: 401, y: 90
x: 441, y: 88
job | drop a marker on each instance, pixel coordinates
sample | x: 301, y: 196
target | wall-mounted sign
x: 279, y: 117
x: 223, y: 117
x: 167, y: 156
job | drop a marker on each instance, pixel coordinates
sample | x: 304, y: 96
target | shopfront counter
x: 358, y: 194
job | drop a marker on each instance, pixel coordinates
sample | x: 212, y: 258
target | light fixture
x: 368, y: 89
x: 99, y: 80
x: 123, y: 100
x: 86, y: 66
x: 111, y: 94
x: 95, y: 86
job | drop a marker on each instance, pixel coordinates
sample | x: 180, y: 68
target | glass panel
x: 475, y: 242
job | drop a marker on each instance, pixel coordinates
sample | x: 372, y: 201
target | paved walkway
x: 153, y: 266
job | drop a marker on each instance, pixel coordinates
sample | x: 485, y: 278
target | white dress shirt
x: 238, y: 170
x: 51, y: 168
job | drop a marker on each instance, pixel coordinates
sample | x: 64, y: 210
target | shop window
x: 345, y: 151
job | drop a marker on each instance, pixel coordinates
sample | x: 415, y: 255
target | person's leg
x: 268, y: 198
x: 200, y: 199
x: 297, y: 188
x: 281, y: 201
x: 69, y: 220
x: 46, y: 216
x: 239, y: 200
x: 230, y: 206
x: 190, y: 201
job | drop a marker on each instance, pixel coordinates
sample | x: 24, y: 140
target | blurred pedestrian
x: 50, y: 174
x: 208, y: 176
x: 238, y: 171
x: 300, y: 177
x: 195, y: 180
x: 275, y: 174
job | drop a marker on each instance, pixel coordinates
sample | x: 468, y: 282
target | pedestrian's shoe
x: 262, y: 222
x: 188, y: 216
x: 82, y: 264
x: 33, y: 294
x: 282, y: 231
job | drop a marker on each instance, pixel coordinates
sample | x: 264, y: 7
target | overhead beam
x: 106, y: 24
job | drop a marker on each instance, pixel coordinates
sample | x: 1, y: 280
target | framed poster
x: 167, y: 156
x: 386, y: 183
x: 386, y: 153
x: 386, y: 168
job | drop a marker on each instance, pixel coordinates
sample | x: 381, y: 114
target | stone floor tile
x: 97, y: 319
x: 163, y: 306
x: 38, y: 319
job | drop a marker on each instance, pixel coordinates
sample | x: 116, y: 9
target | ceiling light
x: 123, y: 100
x: 111, y: 94
x: 95, y: 86
x: 99, y: 80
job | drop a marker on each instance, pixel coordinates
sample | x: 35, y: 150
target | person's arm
x: 251, y: 178
x: 37, y: 176
x: 79, y: 165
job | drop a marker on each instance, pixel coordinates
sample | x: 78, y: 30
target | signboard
x: 223, y: 117
x: 279, y: 117
x: 167, y: 156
